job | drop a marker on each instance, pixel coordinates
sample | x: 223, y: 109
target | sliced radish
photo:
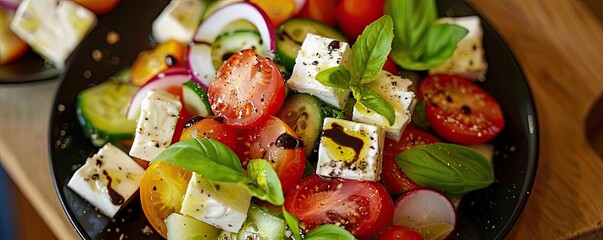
x: 427, y: 211
x: 199, y: 53
x: 172, y: 78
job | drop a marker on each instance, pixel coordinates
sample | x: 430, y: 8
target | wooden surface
x: 559, y: 44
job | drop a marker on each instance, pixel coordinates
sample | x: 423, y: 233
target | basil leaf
x: 450, y: 168
x: 329, y: 232
x: 440, y: 43
x: 293, y: 223
x: 263, y: 182
x: 207, y: 157
x: 411, y: 19
x: 371, y: 49
x: 373, y: 101
x: 335, y: 77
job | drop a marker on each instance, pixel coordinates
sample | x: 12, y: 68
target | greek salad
x: 294, y: 119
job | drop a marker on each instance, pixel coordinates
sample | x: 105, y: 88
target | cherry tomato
x: 162, y: 190
x: 397, y: 232
x: 459, y: 111
x: 276, y: 142
x: 391, y: 66
x: 354, y: 15
x: 392, y: 177
x: 364, y: 208
x: 277, y: 11
x: 246, y: 90
x: 151, y: 62
x: 210, y: 127
x: 11, y: 46
x: 321, y: 10
x: 98, y: 6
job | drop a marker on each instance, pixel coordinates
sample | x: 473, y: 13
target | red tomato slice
x: 246, y: 90
x: 392, y: 177
x: 210, y: 127
x: 460, y: 111
x: 321, y: 10
x: 276, y: 142
x: 397, y: 232
x: 354, y: 15
x: 363, y: 208
x: 98, y: 6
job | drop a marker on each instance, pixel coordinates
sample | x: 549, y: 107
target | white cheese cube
x: 221, y: 204
x: 316, y: 54
x: 53, y: 28
x: 108, y: 180
x: 178, y: 21
x: 156, y: 124
x: 394, y: 90
x: 468, y: 59
x: 350, y: 150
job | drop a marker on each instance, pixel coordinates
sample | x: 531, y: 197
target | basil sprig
x: 369, y: 53
x: 323, y: 232
x: 420, y: 43
x: 214, y: 161
x: 450, y: 168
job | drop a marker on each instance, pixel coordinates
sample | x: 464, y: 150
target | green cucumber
x: 180, y: 227
x: 260, y: 224
x: 195, y: 99
x: 303, y: 113
x: 101, y: 110
x: 230, y: 42
x: 291, y: 34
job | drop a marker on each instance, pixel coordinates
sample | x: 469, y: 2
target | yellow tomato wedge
x: 278, y: 11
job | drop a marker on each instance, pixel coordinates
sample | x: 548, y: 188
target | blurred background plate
x: 485, y: 214
x: 29, y: 68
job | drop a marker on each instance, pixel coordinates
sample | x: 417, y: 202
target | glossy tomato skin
x: 354, y: 15
x: 392, y: 177
x: 246, y: 90
x: 277, y: 11
x: 364, y: 208
x: 210, y: 127
x: 321, y: 10
x: 391, y: 66
x: 98, y: 6
x: 397, y: 232
x: 276, y: 142
x: 149, y: 63
x: 460, y: 111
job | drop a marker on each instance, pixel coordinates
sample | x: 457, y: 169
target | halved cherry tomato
x: 321, y: 10
x: 98, y: 6
x: 392, y: 177
x: 210, y: 127
x: 276, y: 142
x: 162, y: 189
x: 364, y: 208
x: 246, y: 90
x: 354, y: 15
x: 397, y: 232
x: 460, y: 111
x: 277, y: 11
x: 151, y: 62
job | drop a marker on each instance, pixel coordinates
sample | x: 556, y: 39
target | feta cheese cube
x: 108, y: 179
x: 156, y: 124
x: 53, y: 28
x: 350, y: 150
x: 394, y: 90
x: 221, y: 204
x: 468, y: 59
x: 178, y: 21
x: 316, y: 54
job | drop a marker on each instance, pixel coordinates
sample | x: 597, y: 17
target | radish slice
x: 11, y: 5
x: 427, y: 211
x: 174, y: 77
x: 199, y: 52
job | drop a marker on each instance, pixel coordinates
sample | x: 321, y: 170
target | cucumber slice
x: 302, y: 112
x: 291, y: 35
x: 101, y: 110
x: 195, y: 99
x: 261, y: 224
x: 180, y: 227
x: 230, y: 42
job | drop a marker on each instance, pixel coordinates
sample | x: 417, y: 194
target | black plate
x: 29, y: 68
x: 485, y: 214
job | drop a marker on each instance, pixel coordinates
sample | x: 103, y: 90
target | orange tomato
x: 162, y: 190
x: 98, y: 6
x: 151, y: 62
x: 278, y: 11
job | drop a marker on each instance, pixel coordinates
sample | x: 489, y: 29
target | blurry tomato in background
x: 98, y: 6
x: 321, y: 10
x: 278, y: 11
x: 354, y: 15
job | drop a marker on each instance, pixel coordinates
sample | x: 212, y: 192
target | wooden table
x: 559, y: 44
